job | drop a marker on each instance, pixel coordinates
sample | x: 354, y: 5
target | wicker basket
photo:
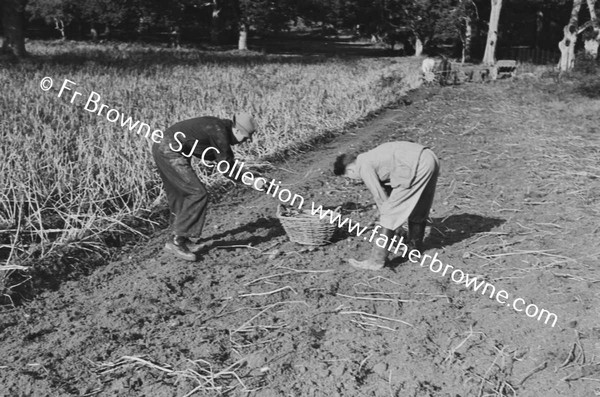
x: 305, y: 228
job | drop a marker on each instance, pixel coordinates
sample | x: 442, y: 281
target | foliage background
x: 532, y: 23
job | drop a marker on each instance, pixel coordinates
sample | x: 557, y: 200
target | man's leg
x: 187, y: 199
x: 191, y: 214
x: 401, y: 204
x: 418, y: 217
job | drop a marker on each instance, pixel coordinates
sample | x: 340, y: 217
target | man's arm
x: 226, y: 154
x: 371, y: 180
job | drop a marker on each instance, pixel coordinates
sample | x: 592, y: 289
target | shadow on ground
x: 444, y: 231
x: 237, y: 236
x: 455, y: 228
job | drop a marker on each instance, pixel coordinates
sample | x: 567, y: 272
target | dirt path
x: 517, y: 205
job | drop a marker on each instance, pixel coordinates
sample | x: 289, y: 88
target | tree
x: 13, y: 22
x: 591, y: 35
x: 216, y: 25
x: 453, y: 23
x: 489, y: 57
x: 567, y: 44
x: 467, y: 13
x: 106, y: 12
x: 432, y: 22
x: 58, y: 12
x: 418, y: 17
x: 264, y: 16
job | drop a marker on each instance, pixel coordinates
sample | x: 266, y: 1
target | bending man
x: 402, y: 177
x: 209, y: 138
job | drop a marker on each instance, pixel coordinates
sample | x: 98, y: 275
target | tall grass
x: 69, y: 175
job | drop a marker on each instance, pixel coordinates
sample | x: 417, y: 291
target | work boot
x: 401, y: 233
x: 179, y: 247
x: 378, y: 256
x: 416, y: 233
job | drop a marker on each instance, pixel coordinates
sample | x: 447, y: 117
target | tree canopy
x: 427, y: 25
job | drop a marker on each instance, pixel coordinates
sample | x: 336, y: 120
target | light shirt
x: 392, y: 163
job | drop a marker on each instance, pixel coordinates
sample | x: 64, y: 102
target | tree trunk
x: 489, y: 57
x: 60, y: 26
x: 466, y: 40
x: 592, y: 41
x: 418, y: 46
x: 13, y: 21
x: 4, y: 14
x: 567, y: 44
x: 243, y: 40
x: 215, y: 28
x: 539, y: 28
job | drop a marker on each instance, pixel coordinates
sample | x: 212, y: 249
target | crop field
x: 70, y: 174
x: 517, y: 206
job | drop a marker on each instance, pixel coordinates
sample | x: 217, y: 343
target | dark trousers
x: 187, y: 196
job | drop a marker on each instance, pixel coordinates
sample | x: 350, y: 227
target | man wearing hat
x: 186, y: 194
x: 402, y: 178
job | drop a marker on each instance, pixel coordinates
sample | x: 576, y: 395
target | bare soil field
x: 517, y: 205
